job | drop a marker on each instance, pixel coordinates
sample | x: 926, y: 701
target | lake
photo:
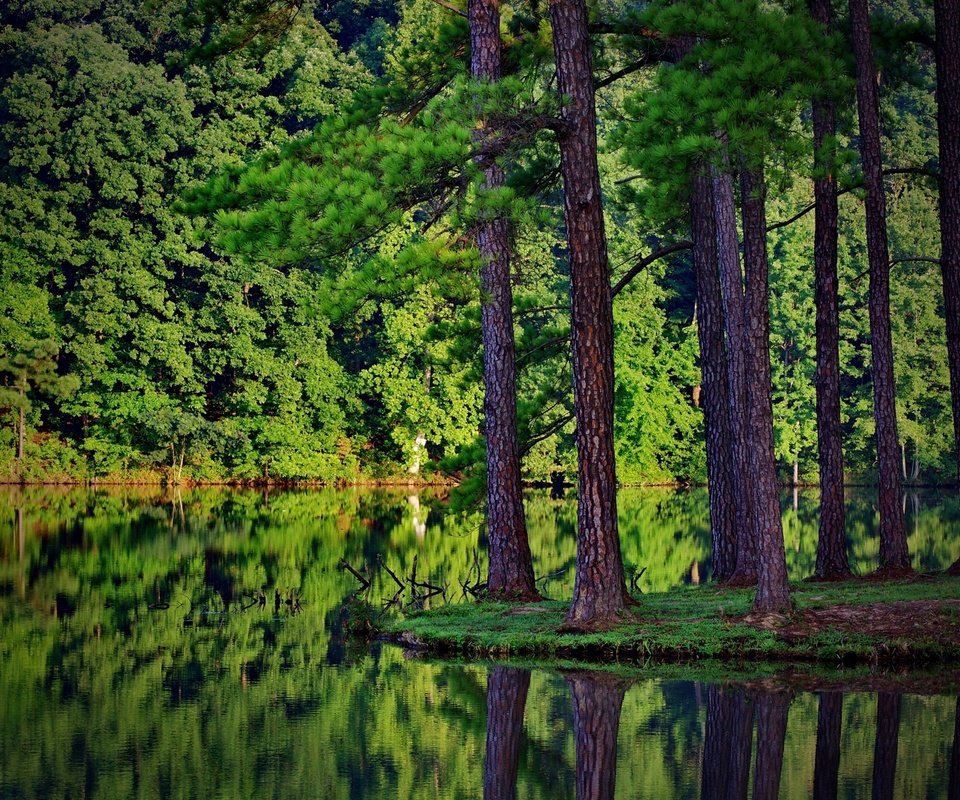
x: 189, y: 644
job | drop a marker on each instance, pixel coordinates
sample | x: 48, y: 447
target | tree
x: 947, y: 20
x: 831, y: 542
x: 713, y: 362
x: 600, y: 592
x: 511, y: 565
x: 773, y: 591
x: 772, y: 710
x: 894, y: 556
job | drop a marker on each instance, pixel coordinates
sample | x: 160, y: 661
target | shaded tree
x: 831, y: 544
x: 894, y: 556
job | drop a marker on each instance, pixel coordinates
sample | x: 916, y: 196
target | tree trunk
x: 773, y: 590
x: 827, y: 762
x: 506, y: 699
x: 731, y: 288
x: 597, y: 700
x: 832, y: 563
x: 772, y: 711
x: 21, y: 430
x: 947, y: 20
x: 894, y: 557
x: 599, y: 592
x: 713, y: 367
x: 885, y: 746
x: 510, y: 574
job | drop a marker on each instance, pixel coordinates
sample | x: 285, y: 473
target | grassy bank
x: 910, y: 621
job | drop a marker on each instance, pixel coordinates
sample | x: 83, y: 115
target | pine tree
x: 510, y: 563
x: 831, y: 543
x: 600, y: 592
x: 894, y: 557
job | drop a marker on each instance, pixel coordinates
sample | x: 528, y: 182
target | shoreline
x: 897, y: 623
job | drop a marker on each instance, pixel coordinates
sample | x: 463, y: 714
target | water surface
x: 189, y: 645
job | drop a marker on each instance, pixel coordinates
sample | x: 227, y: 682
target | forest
x: 240, y: 245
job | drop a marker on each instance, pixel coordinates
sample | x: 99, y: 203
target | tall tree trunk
x: 772, y: 711
x: 773, y: 589
x: 731, y: 288
x: 947, y: 17
x: 885, y: 746
x: 510, y: 574
x: 827, y: 764
x: 713, y: 367
x: 506, y: 699
x: 599, y: 592
x: 597, y: 700
x: 894, y: 557
x: 947, y: 20
x: 21, y: 430
x: 832, y: 563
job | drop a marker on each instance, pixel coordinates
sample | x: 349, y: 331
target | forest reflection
x: 744, y: 735
x: 195, y: 639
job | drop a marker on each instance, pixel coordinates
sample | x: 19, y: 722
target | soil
x: 931, y: 621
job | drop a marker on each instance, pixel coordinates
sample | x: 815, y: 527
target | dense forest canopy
x: 232, y: 252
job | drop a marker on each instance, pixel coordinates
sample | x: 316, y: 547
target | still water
x: 188, y: 644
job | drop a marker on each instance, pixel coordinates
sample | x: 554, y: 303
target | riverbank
x: 912, y: 621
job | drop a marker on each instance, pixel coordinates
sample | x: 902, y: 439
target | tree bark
x: 947, y: 21
x: 773, y: 589
x: 772, y: 711
x: 885, y: 746
x: 731, y: 288
x: 599, y: 592
x: 827, y: 763
x: 713, y: 368
x: 832, y: 563
x: 506, y: 699
x: 894, y: 557
x: 510, y: 574
x: 597, y: 700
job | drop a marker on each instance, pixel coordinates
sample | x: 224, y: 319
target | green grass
x: 685, y: 624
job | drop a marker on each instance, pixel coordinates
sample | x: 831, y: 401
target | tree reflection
x: 506, y: 699
x: 727, y: 744
x: 885, y: 747
x: 597, y: 700
x: 827, y: 762
x: 954, y: 790
x: 772, y: 711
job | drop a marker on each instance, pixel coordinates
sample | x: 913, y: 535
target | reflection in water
x: 597, y: 701
x: 829, y: 723
x: 207, y: 661
x: 727, y: 744
x: 506, y: 699
x: 955, y: 757
x: 885, y: 746
x: 772, y: 710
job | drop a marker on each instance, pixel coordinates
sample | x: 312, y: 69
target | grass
x: 706, y: 622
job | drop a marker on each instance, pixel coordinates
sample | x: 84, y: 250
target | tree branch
x: 645, y: 262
